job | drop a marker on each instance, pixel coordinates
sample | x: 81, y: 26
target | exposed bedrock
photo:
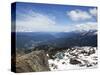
x: 33, y: 62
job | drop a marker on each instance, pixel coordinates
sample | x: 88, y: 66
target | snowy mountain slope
x: 76, y: 58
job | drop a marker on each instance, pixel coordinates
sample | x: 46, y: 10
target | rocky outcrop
x: 74, y: 61
x: 76, y: 57
x: 32, y: 62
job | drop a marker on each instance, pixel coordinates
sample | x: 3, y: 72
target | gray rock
x: 35, y: 61
x: 74, y: 61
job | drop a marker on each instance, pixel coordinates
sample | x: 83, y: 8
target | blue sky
x: 34, y: 17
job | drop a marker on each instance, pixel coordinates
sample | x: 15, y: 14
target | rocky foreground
x: 74, y: 58
x: 71, y: 58
x: 35, y: 61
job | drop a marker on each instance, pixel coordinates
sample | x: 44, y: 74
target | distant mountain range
x: 56, y: 39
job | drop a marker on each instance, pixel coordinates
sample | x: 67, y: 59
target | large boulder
x: 32, y: 62
x: 74, y: 61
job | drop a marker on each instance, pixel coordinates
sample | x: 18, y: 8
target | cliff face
x: 32, y: 62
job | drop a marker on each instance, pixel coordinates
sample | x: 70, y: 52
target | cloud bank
x: 93, y: 12
x: 33, y: 22
x: 80, y: 15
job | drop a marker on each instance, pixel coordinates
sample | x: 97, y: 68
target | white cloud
x: 37, y: 22
x: 78, y: 15
x: 82, y: 27
x: 86, y: 26
x: 34, y: 22
x: 93, y: 11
